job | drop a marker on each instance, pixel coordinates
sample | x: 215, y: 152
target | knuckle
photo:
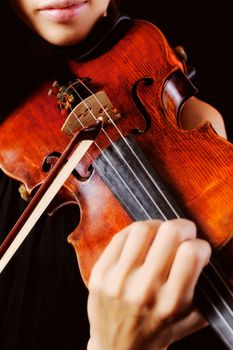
x: 179, y: 229
x: 146, y: 225
x: 207, y: 251
x: 94, y: 284
x: 167, y: 312
x: 196, y: 252
x: 189, y: 252
x: 138, y: 294
x: 117, y: 237
x: 96, y: 269
x: 137, y: 298
x: 188, y: 248
x: 105, y: 283
x: 173, y: 307
x: 170, y: 230
x: 113, y: 291
x: 97, y: 275
x: 140, y: 226
x: 114, y: 283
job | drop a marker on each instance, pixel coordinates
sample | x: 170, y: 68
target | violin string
x: 149, y: 217
x: 223, y: 281
x: 144, y: 168
x: 215, y: 307
x: 122, y: 180
x: 176, y: 215
x: 82, y: 125
x: 217, y: 292
x: 109, y: 162
x: 132, y: 152
x: 131, y: 149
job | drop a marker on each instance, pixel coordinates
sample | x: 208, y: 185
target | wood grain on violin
x: 118, y: 179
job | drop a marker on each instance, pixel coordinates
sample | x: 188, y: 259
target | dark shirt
x: 42, y: 297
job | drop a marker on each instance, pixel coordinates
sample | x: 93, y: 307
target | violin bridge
x: 95, y: 107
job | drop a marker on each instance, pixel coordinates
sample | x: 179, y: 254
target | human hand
x: 141, y: 288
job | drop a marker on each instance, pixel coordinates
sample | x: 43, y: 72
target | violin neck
x: 144, y: 196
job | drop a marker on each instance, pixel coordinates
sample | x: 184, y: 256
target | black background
x: 203, y: 28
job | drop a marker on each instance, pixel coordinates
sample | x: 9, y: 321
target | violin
x: 114, y: 131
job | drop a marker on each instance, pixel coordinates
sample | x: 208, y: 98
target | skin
x: 140, y: 290
x: 63, y: 32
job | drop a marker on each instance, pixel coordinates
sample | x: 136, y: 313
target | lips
x: 56, y: 4
x: 60, y: 11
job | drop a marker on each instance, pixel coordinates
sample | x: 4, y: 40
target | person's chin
x: 61, y: 38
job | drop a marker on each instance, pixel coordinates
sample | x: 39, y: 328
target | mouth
x: 61, y: 11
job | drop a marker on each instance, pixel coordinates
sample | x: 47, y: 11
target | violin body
x: 136, y: 88
x: 196, y: 165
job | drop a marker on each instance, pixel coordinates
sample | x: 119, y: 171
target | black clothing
x: 42, y: 297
